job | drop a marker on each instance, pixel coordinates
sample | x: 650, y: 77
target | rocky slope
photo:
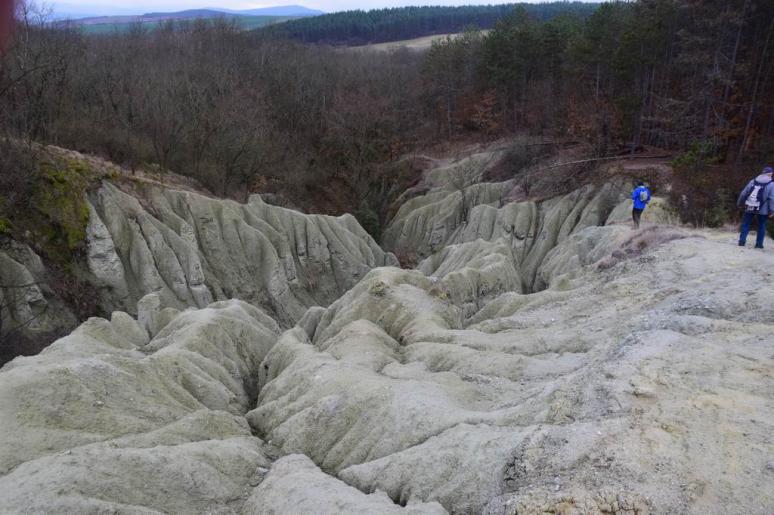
x: 587, y: 369
x: 27, y: 302
x: 193, y: 250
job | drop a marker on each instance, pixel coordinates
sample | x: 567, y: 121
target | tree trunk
x: 732, y: 68
x: 449, y: 116
x: 754, y: 99
x: 644, y: 87
x: 596, y: 86
x: 650, y: 93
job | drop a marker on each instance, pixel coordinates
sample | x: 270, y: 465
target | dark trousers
x: 636, y: 215
x: 746, y: 222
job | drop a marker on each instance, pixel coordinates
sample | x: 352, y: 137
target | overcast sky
x: 110, y: 7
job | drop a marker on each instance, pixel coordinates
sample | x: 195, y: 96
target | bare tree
x: 35, y: 72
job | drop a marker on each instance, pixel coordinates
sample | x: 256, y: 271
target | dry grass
x: 640, y: 242
x: 407, y: 258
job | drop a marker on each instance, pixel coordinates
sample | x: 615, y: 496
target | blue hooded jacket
x: 639, y: 204
x: 767, y: 197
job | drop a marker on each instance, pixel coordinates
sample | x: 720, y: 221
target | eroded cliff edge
x: 624, y: 372
x: 192, y: 250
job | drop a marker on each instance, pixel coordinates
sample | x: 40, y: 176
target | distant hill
x: 280, y: 10
x: 68, y: 11
x: 393, y: 24
x: 247, y: 19
x: 149, y: 17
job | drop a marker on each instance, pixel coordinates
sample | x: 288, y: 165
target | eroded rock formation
x: 193, y: 250
x: 589, y: 369
x: 28, y: 304
x: 453, y: 213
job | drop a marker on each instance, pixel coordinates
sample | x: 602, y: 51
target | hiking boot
x: 759, y: 247
x: 741, y: 244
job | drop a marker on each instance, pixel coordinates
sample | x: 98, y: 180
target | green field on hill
x: 245, y: 22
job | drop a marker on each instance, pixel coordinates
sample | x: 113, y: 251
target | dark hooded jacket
x: 767, y: 197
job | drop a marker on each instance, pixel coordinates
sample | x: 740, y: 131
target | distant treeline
x: 243, y: 112
x: 152, y: 22
x: 380, y: 25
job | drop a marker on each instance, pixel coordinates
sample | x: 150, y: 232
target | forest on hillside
x: 324, y: 129
x: 397, y: 23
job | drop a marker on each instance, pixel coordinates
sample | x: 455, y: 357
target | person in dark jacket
x: 641, y: 197
x: 757, y: 199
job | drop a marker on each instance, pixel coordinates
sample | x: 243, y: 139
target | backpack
x: 753, y: 202
x: 643, y: 195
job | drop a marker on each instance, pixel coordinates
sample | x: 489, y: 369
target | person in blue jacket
x: 757, y: 200
x: 641, y: 197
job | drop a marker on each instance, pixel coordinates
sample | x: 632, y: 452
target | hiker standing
x: 757, y: 199
x: 641, y: 197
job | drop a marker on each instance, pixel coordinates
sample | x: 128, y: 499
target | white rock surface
x: 191, y: 249
x: 646, y: 386
x: 97, y: 423
x: 637, y: 379
x: 431, y: 223
x: 295, y: 485
x: 28, y: 306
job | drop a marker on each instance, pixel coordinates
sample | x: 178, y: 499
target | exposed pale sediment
x: 540, y: 359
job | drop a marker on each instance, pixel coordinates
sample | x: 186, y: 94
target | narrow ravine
x: 565, y: 371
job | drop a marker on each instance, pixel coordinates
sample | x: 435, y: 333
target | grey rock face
x: 296, y: 485
x: 597, y: 397
x: 637, y: 380
x: 28, y: 306
x: 96, y: 422
x: 443, y: 217
x: 613, y: 391
x: 474, y: 273
x: 192, y: 250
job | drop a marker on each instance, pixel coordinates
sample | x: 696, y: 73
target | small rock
x: 770, y: 466
x: 260, y: 474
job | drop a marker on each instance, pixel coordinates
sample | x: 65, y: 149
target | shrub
x: 378, y: 289
x: 704, y: 192
x: 407, y: 258
x: 639, y: 242
x: 520, y: 156
x: 60, y: 198
x: 696, y: 158
x: 369, y: 219
x: 44, y: 199
x: 18, y: 177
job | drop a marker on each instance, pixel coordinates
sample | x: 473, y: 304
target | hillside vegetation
x: 112, y: 24
x: 245, y: 19
x: 325, y: 130
x: 397, y: 23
